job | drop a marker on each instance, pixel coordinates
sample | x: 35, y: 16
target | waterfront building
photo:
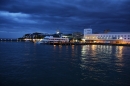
x: 69, y: 36
x: 77, y: 36
x: 109, y: 37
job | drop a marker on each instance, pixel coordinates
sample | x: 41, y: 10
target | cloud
x: 8, y: 14
x: 16, y: 17
x: 67, y: 15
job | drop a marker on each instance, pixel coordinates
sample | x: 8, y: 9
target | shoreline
x: 87, y: 44
x: 69, y: 43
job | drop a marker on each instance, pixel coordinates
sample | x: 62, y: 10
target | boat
x: 51, y: 39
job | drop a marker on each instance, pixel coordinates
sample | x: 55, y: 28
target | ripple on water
x: 28, y: 64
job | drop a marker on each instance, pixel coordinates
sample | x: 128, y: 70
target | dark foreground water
x: 28, y: 64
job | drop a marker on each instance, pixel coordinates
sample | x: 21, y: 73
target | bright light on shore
x: 121, y: 38
x: 83, y: 39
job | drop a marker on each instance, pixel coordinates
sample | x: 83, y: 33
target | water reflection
x: 73, y: 50
x: 96, y: 52
x: 119, y: 50
x: 105, y: 49
x: 77, y: 65
x: 93, y: 52
x: 85, y: 50
x: 119, y: 54
x: 98, y: 59
x: 102, y: 53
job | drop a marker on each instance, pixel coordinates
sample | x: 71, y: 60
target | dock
x: 9, y: 40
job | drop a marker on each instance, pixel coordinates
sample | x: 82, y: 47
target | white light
x: 83, y: 39
x: 57, y: 32
x: 120, y: 38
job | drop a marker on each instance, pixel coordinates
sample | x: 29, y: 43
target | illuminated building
x: 110, y: 37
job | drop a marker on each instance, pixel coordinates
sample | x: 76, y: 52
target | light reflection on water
x: 101, y: 53
x: 101, y: 60
x: 119, y: 56
x: 64, y: 65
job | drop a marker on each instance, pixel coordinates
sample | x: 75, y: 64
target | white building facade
x: 110, y: 37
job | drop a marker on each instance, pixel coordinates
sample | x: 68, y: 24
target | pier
x: 9, y: 39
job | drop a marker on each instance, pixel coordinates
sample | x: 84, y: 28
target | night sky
x: 18, y: 17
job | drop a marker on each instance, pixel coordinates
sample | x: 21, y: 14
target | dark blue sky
x: 18, y: 17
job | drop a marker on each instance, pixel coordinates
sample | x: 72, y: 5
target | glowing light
x: 83, y: 39
x: 57, y: 32
x: 120, y: 38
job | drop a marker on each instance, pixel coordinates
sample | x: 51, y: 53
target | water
x: 28, y: 64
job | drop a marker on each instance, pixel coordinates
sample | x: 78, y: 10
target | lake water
x: 28, y: 64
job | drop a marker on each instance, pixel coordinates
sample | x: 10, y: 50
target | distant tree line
x: 36, y: 35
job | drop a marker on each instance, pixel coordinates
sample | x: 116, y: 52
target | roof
x: 118, y: 33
